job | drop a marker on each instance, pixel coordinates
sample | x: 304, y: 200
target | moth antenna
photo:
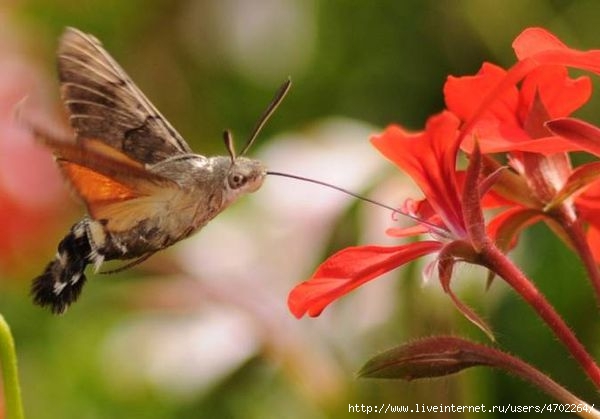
x: 229, y: 145
x: 277, y: 99
x: 362, y: 198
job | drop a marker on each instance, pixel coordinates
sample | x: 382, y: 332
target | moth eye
x: 236, y: 180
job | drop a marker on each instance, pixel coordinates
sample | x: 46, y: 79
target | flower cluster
x: 515, y: 129
x: 520, y: 111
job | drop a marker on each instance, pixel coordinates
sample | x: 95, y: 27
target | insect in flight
x: 143, y: 187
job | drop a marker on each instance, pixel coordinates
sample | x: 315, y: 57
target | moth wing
x: 114, y: 187
x: 121, y: 216
x: 96, y: 189
x: 101, y: 158
x: 120, y: 203
x: 105, y: 104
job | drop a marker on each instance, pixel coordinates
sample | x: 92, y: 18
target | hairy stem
x: 497, y: 262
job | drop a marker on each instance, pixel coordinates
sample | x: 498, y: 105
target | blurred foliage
x: 378, y: 62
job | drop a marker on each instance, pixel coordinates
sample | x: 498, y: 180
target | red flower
x: 497, y: 116
x: 534, y: 47
x: 507, y: 118
x: 501, y: 117
x: 429, y: 158
x: 506, y: 124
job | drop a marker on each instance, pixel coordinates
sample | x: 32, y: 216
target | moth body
x: 209, y: 185
x: 143, y: 187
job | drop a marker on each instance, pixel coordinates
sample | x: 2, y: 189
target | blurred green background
x: 202, y: 330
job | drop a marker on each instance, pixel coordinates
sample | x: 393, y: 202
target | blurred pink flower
x: 31, y: 191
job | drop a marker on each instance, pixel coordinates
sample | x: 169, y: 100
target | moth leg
x: 63, y: 278
x: 128, y: 265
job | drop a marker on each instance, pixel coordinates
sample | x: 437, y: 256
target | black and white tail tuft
x: 63, y: 279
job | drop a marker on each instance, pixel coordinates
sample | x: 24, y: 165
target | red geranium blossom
x: 430, y: 158
x: 506, y: 124
x: 502, y: 117
x: 515, y: 123
x: 544, y: 185
x: 492, y: 113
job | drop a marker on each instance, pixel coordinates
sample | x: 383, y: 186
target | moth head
x: 245, y: 175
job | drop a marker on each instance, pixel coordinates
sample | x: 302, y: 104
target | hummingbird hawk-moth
x: 143, y: 187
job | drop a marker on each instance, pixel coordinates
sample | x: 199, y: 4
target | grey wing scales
x: 105, y: 104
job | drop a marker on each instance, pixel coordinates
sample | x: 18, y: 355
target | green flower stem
x: 10, y: 376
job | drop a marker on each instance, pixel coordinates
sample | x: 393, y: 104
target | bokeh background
x: 202, y: 329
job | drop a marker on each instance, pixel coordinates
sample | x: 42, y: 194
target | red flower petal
x: 505, y: 228
x: 429, y: 158
x: 541, y: 46
x: 588, y: 207
x: 348, y: 269
x: 580, y: 179
x: 535, y: 47
x: 560, y: 94
x: 581, y: 134
x: 464, y: 95
x: 500, y: 126
x: 593, y: 238
x: 535, y: 40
